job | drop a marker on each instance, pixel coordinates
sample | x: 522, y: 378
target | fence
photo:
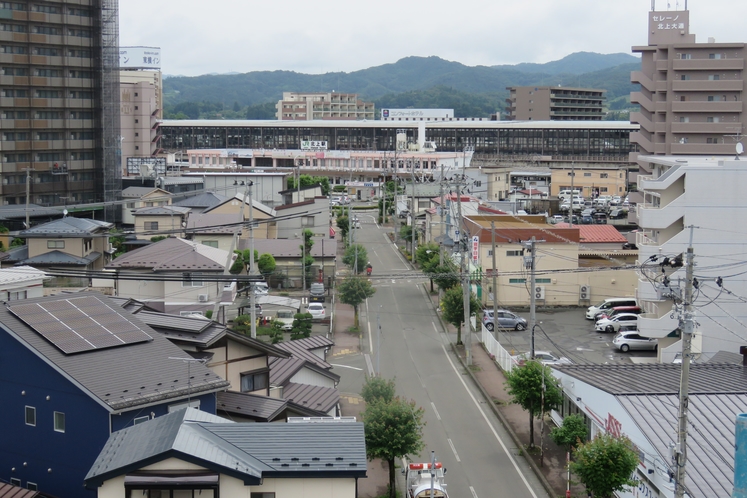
x: 502, y: 357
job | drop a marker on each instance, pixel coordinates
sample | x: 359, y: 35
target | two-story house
x: 139, y: 197
x: 74, y: 369
x: 188, y: 295
x: 160, y: 220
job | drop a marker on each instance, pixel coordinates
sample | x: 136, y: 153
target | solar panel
x: 79, y: 324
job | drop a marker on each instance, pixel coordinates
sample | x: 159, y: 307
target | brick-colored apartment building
x: 548, y: 103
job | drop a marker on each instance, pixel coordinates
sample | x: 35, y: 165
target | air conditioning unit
x: 584, y: 292
x: 203, y: 298
x: 539, y: 292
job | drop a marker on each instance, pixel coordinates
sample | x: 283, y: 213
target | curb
x: 504, y: 422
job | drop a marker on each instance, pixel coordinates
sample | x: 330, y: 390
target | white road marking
x: 436, y: 411
x: 454, y: 450
x: 434, y: 327
x: 345, y: 366
x: 485, y: 417
x: 370, y: 339
x: 473, y: 491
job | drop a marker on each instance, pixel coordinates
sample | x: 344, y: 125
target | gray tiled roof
x: 162, y: 210
x: 300, y: 351
x: 281, y: 370
x: 313, y: 343
x: 710, y: 437
x: 204, y: 200
x: 261, y: 408
x: 315, y: 397
x: 705, y: 378
x: 66, y: 227
x: 211, y: 223
x: 250, y: 452
x: 58, y: 257
x: 173, y: 254
x: 291, y: 248
x: 139, y: 191
x: 124, y: 376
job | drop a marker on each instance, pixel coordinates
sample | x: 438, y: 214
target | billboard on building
x: 146, y: 166
x: 139, y: 57
x: 416, y: 114
x: 313, y: 145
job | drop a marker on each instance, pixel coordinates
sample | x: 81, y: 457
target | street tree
x: 405, y: 232
x: 353, y: 253
x: 378, y: 389
x: 301, y: 328
x: 266, y: 264
x: 343, y: 225
x: 572, y: 433
x: 354, y: 290
x: 525, y: 386
x: 452, y: 308
x: 604, y: 464
x: 276, y: 331
x: 426, y: 252
x: 308, y: 181
x: 392, y: 430
x: 445, y: 276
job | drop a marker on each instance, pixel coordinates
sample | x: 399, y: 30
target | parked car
x: 617, y: 310
x: 506, y: 320
x: 613, y: 324
x: 403, y: 214
x: 557, y: 218
x: 544, y: 357
x: 286, y: 318
x: 317, y: 310
x: 261, y: 288
x: 600, y: 218
x: 625, y: 341
x: 608, y: 304
x: 587, y: 220
x: 316, y: 292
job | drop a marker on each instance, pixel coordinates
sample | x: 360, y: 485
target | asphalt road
x: 414, y: 350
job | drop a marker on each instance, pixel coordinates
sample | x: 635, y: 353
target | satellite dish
x: 64, y: 213
x: 740, y: 149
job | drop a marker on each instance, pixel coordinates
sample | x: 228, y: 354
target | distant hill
x: 409, y: 82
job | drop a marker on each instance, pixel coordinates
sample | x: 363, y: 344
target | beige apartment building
x: 590, y: 181
x: 141, y: 108
x: 324, y: 105
x: 692, y: 94
x: 547, y: 103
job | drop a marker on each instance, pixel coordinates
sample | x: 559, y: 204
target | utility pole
x: 570, y: 218
x: 252, y: 297
x: 28, y: 193
x: 378, y: 345
x: 412, y: 211
x: 442, y: 208
x: 532, y: 297
x: 687, y: 326
x: 495, y: 288
x: 465, y: 281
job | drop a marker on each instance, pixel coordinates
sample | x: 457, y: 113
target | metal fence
x: 500, y: 355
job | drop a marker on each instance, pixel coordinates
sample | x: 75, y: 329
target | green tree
x: 16, y: 242
x: 308, y: 181
x: 349, y: 258
x: 266, y: 264
x: 525, y: 386
x: 158, y: 238
x: 343, y: 225
x: 426, y: 252
x: 301, y: 326
x: 392, y: 430
x: 452, y: 308
x: 405, y: 232
x: 276, y: 331
x: 116, y: 239
x: 353, y: 290
x: 446, y: 276
x: 572, y: 433
x: 243, y: 260
x: 604, y: 464
x: 378, y: 389
x: 306, y: 245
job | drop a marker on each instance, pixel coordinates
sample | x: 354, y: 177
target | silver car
x: 544, y: 357
x: 506, y: 320
x: 625, y: 341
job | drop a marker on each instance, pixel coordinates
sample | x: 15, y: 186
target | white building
x: 708, y: 195
x: 21, y: 282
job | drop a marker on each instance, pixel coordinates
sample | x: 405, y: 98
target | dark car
x: 316, y: 292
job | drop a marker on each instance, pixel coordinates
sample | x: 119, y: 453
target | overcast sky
x: 320, y: 36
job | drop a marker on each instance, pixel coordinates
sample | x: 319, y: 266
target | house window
x: 195, y: 403
x: 543, y: 280
x: 210, y: 243
x: 307, y: 221
x: 490, y: 252
x: 32, y: 486
x: 15, y: 481
x: 254, y: 381
x: 16, y: 296
x: 150, y: 225
x: 191, y: 280
x: 140, y: 420
x: 587, y: 174
x: 514, y: 253
x: 130, y: 205
x: 55, y: 244
x: 713, y: 77
x: 604, y: 175
x: 262, y: 495
x: 517, y: 280
x: 31, y: 416
x: 59, y: 422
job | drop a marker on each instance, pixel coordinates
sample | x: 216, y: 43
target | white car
x: 317, y: 311
x: 261, y: 288
x: 613, y: 324
x: 544, y: 357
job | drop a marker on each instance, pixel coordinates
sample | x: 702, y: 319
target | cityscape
x: 344, y: 290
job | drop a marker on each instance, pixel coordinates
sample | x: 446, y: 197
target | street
x: 413, y: 349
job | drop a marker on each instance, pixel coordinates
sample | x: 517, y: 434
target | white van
x: 566, y: 193
x: 261, y: 288
x: 608, y: 304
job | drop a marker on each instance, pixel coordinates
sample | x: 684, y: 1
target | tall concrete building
x: 549, y: 103
x: 59, y: 102
x: 326, y: 105
x: 691, y: 97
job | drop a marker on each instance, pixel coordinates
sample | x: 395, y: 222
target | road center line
x: 485, y: 417
x: 454, y: 450
x: 368, y: 322
x: 436, y: 411
x: 473, y: 491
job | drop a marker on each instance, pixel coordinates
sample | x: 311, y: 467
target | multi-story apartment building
x: 691, y: 96
x: 59, y: 102
x: 548, y: 103
x: 330, y: 105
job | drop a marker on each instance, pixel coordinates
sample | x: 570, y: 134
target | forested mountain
x: 410, y: 82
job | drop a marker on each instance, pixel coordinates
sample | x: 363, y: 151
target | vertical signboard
x: 475, y: 248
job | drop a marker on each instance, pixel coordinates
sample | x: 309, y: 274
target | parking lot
x: 567, y: 333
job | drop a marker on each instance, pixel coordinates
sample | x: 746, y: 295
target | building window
x: 262, y: 495
x: 140, y: 420
x: 604, y: 175
x: 59, y: 422
x: 543, y: 280
x: 191, y: 280
x: 684, y: 119
x: 716, y: 56
x: 587, y: 174
x: 32, y: 486
x: 130, y: 205
x: 16, y: 295
x: 712, y: 119
x: 514, y: 253
x: 307, y: 221
x: 713, y: 77
x: 254, y: 381
x: 190, y: 313
x: 685, y: 77
x: 210, y: 243
x: 31, y: 416
x: 517, y: 280
x: 55, y: 244
x: 150, y: 225
x: 15, y: 481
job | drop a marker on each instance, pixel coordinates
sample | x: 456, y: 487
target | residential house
x: 602, y: 245
x: 641, y: 401
x: 200, y: 202
x: 139, y: 197
x: 72, y: 243
x: 230, y: 210
x: 21, y: 282
x: 559, y: 281
x: 311, y: 214
x: 166, y: 258
x: 160, y: 221
x: 190, y: 453
x: 288, y: 253
x: 296, y: 195
x: 75, y: 368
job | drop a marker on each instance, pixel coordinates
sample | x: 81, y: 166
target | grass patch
x: 354, y: 330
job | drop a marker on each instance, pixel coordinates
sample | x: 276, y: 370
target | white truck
x: 424, y: 481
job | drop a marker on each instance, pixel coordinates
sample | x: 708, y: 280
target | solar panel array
x: 79, y: 324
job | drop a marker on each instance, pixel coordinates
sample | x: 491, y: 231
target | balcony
x: 662, y: 65
x: 702, y: 149
x: 646, y: 123
x: 660, y: 218
x: 664, y: 181
x: 644, y: 143
x: 708, y: 64
x: 659, y: 323
x: 709, y: 128
x: 704, y: 106
x: 643, y: 101
x: 645, y: 238
x: 736, y: 85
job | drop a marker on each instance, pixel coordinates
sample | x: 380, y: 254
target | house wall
x: 314, y: 217
x: 606, y: 181
x: 73, y: 247
x: 26, y: 380
x: 231, y: 361
x: 147, y: 291
x: 178, y: 297
x: 224, y: 240
x: 165, y: 222
x: 310, y: 377
x: 156, y: 198
x: 204, y: 402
